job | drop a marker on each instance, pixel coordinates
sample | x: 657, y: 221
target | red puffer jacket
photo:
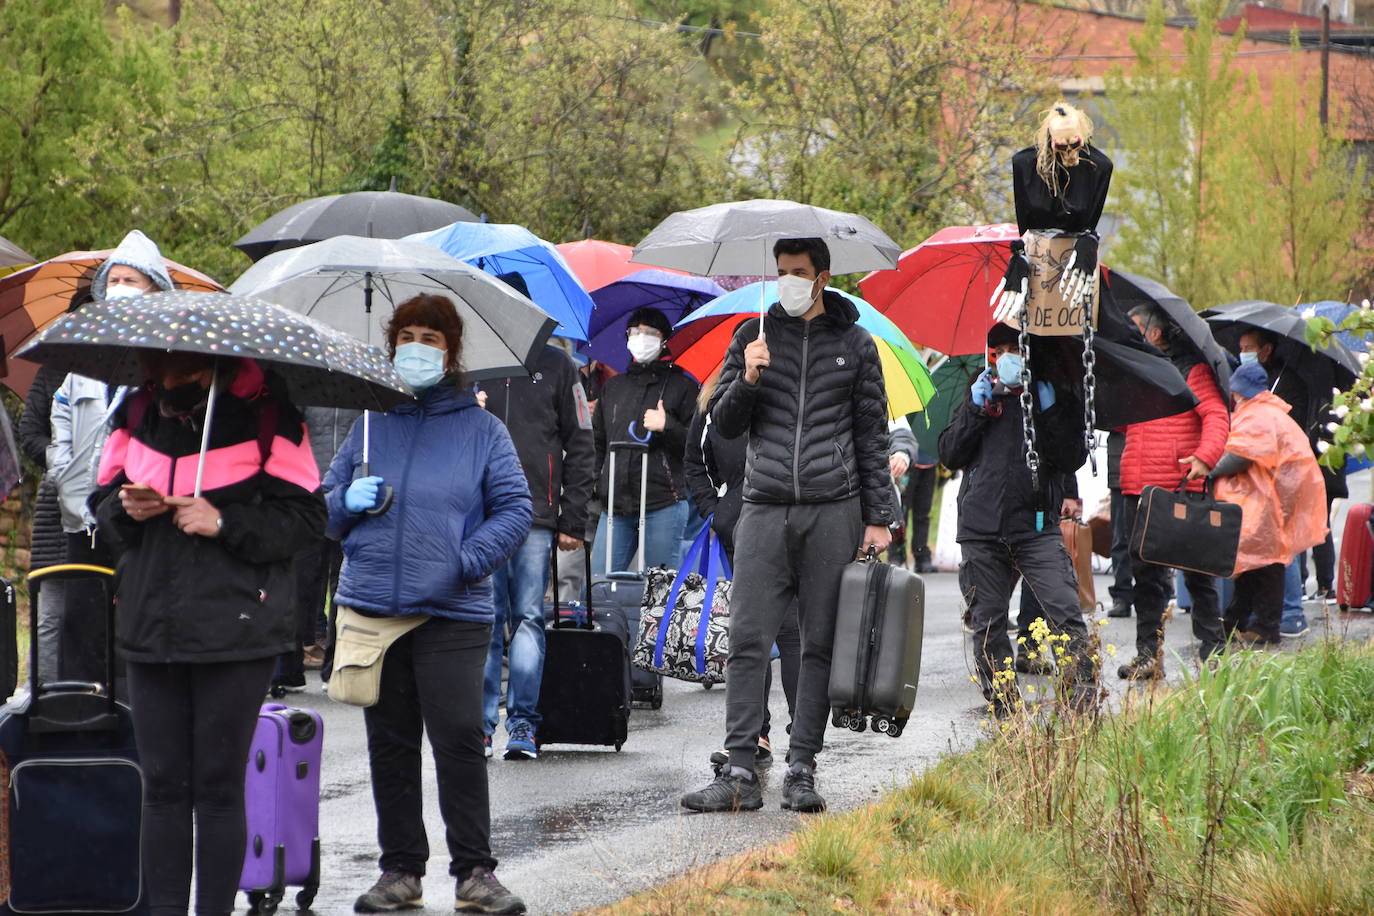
x: 1154, y: 449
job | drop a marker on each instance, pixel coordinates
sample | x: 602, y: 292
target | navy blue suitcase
x: 72, y: 824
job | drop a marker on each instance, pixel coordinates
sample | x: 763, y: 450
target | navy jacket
x: 461, y: 508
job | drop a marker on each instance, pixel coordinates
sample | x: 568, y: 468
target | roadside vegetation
x: 1245, y: 790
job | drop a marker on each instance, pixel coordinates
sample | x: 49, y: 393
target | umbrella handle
x: 384, y: 494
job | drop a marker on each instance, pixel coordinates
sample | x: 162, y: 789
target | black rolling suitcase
x: 584, y: 697
x: 877, y: 655
x: 622, y: 592
x: 71, y: 825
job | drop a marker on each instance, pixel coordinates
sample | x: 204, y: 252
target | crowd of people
x: 787, y: 449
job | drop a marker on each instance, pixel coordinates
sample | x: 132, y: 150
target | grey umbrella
x: 376, y: 214
x: 1232, y: 320
x: 1130, y: 290
x: 737, y: 238
x: 11, y: 255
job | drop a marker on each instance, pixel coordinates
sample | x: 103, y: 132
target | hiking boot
x: 1119, y: 609
x: 763, y: 755
x: 480, y: 892
x: 521, y: 744
x: 1141, y: 668
x: 394, y: 890
x: 1040, y: 665
x: 799, y: 791
x: 727, y: 792
x: 1082, y: 698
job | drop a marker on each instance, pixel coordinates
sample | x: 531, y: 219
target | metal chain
x: 1027, y: 402
x: 1089, y: 380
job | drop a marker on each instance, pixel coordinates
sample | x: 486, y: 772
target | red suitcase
x: 1357, y: 553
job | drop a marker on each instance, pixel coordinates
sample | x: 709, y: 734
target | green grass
x: 1246, y: 790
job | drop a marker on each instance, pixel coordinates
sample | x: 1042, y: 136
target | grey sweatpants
x: 989, y: 573
x: 785, y: 553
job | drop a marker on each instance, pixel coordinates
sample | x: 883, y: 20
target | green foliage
x: 1212, y: 173
x: 1352, y: 409
x: 893, y: 110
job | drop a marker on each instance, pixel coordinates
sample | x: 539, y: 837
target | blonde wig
x: 1065, y: 131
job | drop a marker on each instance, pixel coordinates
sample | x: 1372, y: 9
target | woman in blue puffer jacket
x: 461, y: 506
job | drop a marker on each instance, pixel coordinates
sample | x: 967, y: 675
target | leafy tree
x: 896, y: 109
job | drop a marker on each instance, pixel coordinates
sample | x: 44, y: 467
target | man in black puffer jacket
x: 809, y: 393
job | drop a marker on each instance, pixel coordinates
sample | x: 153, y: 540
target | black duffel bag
x: 1186, y: 530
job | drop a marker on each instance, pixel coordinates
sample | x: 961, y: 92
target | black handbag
x: 1190, y: 531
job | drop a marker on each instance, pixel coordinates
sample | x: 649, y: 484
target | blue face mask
x: 421, y: 365
x: 1250, y: 358
x: 1009, y: 369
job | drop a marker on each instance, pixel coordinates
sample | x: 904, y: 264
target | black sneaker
x: 1119, y: 609
x: 1140, y: 668
x: 799, y: 792
x: 726, y: 793
x: 763, y: 754
x: 394, y: 890
x: 480, y: 892
x: 1027, y: 665
x: 290, y: 683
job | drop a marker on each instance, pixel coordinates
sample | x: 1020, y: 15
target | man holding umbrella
x: 805, y: 384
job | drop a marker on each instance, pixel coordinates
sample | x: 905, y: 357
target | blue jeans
x: 519, y: 587
x: 1292, y: 593
x: 662, y: 539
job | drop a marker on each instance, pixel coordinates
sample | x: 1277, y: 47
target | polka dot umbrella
x: 320, y: 366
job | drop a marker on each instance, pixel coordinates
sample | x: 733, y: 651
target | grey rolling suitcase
x: 622, y: 591
x: 877, y: 655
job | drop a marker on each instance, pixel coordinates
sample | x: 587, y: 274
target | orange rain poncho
x: 1281, y: 495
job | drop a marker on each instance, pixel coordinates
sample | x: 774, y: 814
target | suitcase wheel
x: 265, y: 904
x: 305, y: 898
x: 839, y: 718
x: 895, y: 730
x: 708, y: 685
x: 277, y: 691
x: 656, y: 702
x: 617, y: 747
x: 858, y: 723
x: 881, y: 724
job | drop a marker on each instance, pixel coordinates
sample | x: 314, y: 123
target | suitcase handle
x: 558, y: 623
x: 68, y: 572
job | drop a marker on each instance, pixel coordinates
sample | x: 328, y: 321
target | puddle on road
x: 557, y: 824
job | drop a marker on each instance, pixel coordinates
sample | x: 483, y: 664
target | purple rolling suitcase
x: 282, y: 800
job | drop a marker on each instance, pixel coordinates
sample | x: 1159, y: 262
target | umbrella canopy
x: 952, y: 377
x: 737, y: 238
x: 1336, y: 313
x: 673, y: 294
x: 1232, y: 320
x: 703, y: 337
x: 320, y: 365
x: 940, y: 290
x: 12, y: 256
x: 596, y: 263
x: 32, y: 298
x: 354, y: 284
x: 509, y: 252
x: 1130, y: 290
x: 374, y: 214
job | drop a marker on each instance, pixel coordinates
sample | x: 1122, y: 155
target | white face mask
x: 796, y: 295
x: 644, y: 347
x: 122, y: 291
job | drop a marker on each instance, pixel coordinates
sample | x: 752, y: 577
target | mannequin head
x: 1065, y: 131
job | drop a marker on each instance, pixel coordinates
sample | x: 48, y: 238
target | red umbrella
x: 596, y: 263
x: 940, y: 290
x: 35, y: 297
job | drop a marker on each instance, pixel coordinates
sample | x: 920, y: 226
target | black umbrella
x: 1133, y: 386
x: 374, y: 214
x: 1130, y: 290
x: 319, y: 365
x: 1230, y: 321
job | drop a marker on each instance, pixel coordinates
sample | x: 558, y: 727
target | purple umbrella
x: 675, y: 295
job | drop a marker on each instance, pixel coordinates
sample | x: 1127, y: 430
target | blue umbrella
x: 675, y: 295
x: 521, y: 258
x: 1338, y: 312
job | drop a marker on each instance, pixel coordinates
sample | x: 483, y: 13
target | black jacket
x: 817, y: 419
x: 49, y: 544
x: 328, y: 428
x: 548, y: 419
x: 623, y: 402
x: 711, y: 461
x: 996, y: 499
x: 185, y: 598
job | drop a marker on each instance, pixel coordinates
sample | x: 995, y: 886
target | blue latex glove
x: 362, y: 494
x: 1046, y: 392
x: 982, y: 388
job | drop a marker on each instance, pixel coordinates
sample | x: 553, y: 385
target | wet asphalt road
x: 587, y: 826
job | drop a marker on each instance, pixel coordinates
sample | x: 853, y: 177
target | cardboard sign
x: 1050, y: 315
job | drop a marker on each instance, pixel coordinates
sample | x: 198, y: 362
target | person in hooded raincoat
x: 1269, y: 470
